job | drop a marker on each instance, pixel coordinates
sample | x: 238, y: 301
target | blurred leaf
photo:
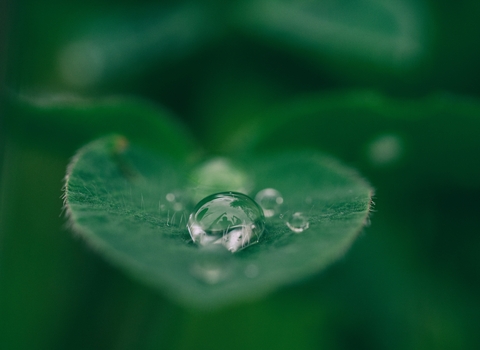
x: 115, y: 197
x: 124, y: 45
x: 102, y: 46
x: 367, y: 38
x: 65, y: 122
x: 423, y: 142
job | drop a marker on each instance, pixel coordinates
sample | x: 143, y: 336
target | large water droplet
x: 297, y: 222
x: 270, y: 200
x: 228, y: 218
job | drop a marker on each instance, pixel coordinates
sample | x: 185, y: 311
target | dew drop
x: 270, y: 200
x: 212, y: 265
x: 297, y: 222
x: 231, y: 219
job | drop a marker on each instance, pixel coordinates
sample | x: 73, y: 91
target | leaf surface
x: 117, y: 198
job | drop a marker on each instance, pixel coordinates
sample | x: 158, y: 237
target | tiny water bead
x: 231, y: 219
x: 270, y: 200
x: 297, y: 222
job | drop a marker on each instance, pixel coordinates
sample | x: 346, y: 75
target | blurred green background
x: 391, y: 87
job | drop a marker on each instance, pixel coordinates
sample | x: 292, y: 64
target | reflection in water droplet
x: 270, y: 200
x: 228, y: 218
x: 385, y: 150
x: 212, y: 265
x: 297, y: 222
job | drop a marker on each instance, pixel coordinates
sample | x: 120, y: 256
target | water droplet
x: 228, y: 218
x: 212, y: 265
x: 270, y: 200
x: 298, y: 222
x: 385, y: 150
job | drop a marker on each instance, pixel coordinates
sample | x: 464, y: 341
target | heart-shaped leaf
x: 133, y: 205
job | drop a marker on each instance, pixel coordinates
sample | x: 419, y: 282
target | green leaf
x: 390, y: 34
x: 117, y: 198
x: 64, y: 122
x: 413, y: 142
x: 105, y: 47
x: 132, y: 40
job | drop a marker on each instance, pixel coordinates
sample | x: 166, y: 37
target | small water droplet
x: 231, y: 219
x: 270, y: 200
x: 212, y: 266
x: 298, y: 222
